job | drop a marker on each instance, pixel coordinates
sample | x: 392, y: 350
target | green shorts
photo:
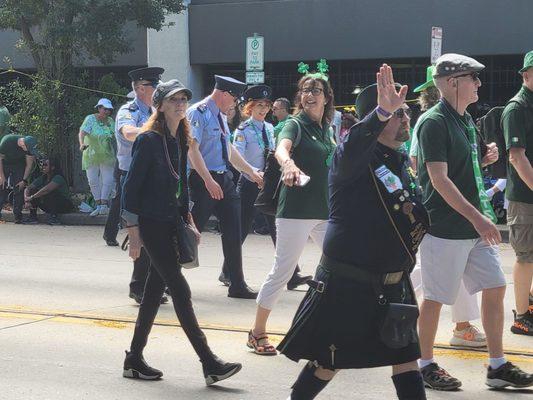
x: 520, y: 221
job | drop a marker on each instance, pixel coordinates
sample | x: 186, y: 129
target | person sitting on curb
x: 49, y: 192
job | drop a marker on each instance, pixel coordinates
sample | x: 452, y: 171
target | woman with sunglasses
x: 49, y: 192
x: 96, y: 137
x: 304, y: 150
x: 155, y: 200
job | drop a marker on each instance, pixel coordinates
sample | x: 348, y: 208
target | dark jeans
x: 140, y: 265
x: 166, y: 272
x: 228, y: 212
x: 51, y: 203
x: 248, y: 192
x: 13, y: 173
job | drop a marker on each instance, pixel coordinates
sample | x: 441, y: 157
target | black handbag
x: 185, y: 241
x: 267, y: 199
x: 398, y: 328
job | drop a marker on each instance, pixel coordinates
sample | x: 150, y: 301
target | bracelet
x: 383, y: 112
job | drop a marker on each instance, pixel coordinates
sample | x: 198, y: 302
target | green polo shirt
x: 40, y: 182
x: 517, y: 124
x: 11, y: 151
x: 443, y: 138
x: 279, y: 127
x: 309, y: 201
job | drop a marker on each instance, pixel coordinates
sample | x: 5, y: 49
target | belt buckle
x: 320, y: 287
x: 220, y: 172
x: 392, y: 278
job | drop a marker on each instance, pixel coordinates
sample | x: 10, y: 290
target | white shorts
x: 445, y: 262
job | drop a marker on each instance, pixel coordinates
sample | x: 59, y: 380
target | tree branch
x: 30, y: 42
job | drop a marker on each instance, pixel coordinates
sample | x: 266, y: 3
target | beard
x: 403, y: 134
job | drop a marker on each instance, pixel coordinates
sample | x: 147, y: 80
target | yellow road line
x: 20, y: 312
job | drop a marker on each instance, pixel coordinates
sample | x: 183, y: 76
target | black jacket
x: 150, y: 188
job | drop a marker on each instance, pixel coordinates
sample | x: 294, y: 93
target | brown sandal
x: 261, y: 345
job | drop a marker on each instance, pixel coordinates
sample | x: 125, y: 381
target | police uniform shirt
x: 249, y: 141
x: 134, y: 113
x: 206, y: 130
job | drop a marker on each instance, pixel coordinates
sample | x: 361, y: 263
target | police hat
x: 258, y: 92
x: 167, y: 89
x: 451, y: 63
x: 151, y: 74
x: 368, y: 100
x: 230, y: 85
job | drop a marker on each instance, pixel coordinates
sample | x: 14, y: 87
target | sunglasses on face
x: 152, y: 84
x: 402, y: 112
x: 313, y: 91
x: 473, y: 75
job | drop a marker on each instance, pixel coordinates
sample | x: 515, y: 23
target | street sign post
x: 255, y: 77
x: 436, y: 43
x: 254, y: 53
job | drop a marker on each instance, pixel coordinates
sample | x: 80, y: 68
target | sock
x: 496, y: 363
x: 307, y: 386
x: 409, y: 386
x: 425, y: 363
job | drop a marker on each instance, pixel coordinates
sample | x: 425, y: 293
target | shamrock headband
x: 321, y: 66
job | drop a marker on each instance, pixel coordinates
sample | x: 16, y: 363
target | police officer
x: 211, y: 185
x: 254, y: 138
x: 130, y: 118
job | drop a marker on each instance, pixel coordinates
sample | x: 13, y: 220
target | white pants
x: 464, y: 309
x: 292, y: 235
x: 101, y: 181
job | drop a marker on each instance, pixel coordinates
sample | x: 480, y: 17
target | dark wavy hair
x: 329, y: 108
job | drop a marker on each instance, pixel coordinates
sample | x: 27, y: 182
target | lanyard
x: 260, y: 136
x: 486, y: 207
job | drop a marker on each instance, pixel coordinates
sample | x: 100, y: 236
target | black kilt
x: 339, y: 328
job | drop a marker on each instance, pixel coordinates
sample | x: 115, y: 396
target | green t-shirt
x: 517, y: 124
x: 12, y: 152
x: 443, y: 138
x: 5, y: 117
x: 279, y: 127
x: 40, y: 182
x: 309, y: 201
x: 100, y: 140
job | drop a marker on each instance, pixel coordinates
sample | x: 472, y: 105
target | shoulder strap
x: 298, y: 138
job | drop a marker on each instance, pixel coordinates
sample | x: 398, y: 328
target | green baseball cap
x: 429, y: 80
x: 528, y: 62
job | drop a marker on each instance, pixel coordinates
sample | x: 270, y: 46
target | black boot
x: 307, y: 386
x: 135, y: 367
x: 217, y: 370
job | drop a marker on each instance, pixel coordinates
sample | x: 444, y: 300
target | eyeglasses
x: 152, y: 84
x: 473, y: 75
x: 402, y: 112
x: 313, y: 91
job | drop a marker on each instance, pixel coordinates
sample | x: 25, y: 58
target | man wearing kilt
x: 360, y: 311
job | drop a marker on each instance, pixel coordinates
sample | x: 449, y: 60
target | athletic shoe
x: 96, y: 211
x: 508, y: 375
x: 30, y: 220
x: 218, y: 370
x: 523, y: 324
x: 438, y: 378
x: 53, y: 219
x: 104, y: 210
x: 468, y: 337
x: 135, y: 367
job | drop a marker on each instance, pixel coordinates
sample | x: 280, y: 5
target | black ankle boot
x: 307, y: 386
x: 409, y: 386
x: 135, y: 367
x: 216, y: 370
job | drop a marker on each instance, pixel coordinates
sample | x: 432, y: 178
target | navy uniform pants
x: 228, y: 212
x: 142, y: 264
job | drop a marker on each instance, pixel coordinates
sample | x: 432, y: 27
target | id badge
x: 391, y: 181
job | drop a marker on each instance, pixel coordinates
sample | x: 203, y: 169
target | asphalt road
x: 65, y: 321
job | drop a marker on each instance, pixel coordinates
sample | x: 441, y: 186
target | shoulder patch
x: 239, y: 137
x: 132, y: 106
x: 202, y: 108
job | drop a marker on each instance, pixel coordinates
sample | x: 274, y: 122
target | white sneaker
x: 96, y: 211
x: 469, y: 337
x: 104, y: 210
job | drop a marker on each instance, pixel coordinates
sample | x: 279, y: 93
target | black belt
x: 217, y: 172
x: 359, y: 274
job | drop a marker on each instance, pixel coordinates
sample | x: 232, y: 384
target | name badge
x: 391, y: 181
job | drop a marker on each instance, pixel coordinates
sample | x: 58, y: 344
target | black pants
x: 51, y: 203
x: 14, y: 173
x: 140, y: 265
x: 166, y: 272
x: 228, y: 212
x: 248, y: 192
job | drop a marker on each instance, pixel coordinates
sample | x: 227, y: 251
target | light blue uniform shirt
x: 206, y: 130
x: 249, y: 142
x: 134, y: 113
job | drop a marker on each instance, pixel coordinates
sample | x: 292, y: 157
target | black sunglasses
x: 473, y: 75
x: 152, y: 84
